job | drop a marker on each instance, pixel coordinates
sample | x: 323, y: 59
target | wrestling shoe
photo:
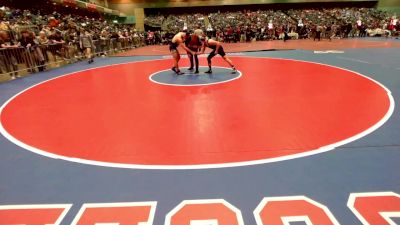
x: 179, y: 72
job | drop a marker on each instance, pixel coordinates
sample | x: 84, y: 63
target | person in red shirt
x: 229, y: 34
x: 150, y: 37
x: 193, y: 43
x: 53, y: 22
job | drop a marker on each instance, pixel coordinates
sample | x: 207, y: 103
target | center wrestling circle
x: 115, y: 116
x: 219, y: 75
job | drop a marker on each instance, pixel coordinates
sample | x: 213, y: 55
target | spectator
x: 42, y: 38
x: 33, y: 54
x: 8, y: 62
x: 86, y: 44
x: 104, y: 37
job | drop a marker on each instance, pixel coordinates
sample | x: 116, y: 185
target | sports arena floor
x: 295, y: 137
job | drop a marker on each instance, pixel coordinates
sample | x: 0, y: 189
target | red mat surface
x: 116, y: 115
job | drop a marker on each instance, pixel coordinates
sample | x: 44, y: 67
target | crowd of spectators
x: 41, y: 36
x: 319, y: 23
x: 58, y: 37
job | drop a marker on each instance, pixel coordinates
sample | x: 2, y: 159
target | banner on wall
x: 70, y: 2
x: 91, y: 7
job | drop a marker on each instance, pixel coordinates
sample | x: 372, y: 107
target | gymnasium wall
x: 390, y: 5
